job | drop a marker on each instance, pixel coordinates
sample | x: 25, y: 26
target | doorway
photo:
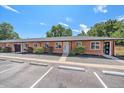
x: 65, y: 47
x: 107, y: 48
x: 17, y: 47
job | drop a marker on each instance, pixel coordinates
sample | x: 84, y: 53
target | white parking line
x: 101, y: 81
x: 6, y: 70
x: 41, y: 78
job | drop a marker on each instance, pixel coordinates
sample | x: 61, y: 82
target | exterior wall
x: 72, y: 45
x: 88, y: 50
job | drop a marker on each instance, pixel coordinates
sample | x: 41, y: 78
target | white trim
x: 78, y: 42
x: 67, y: 47
x: 60, y: 44
x: 99, y: 45
x: 45, y: 44
x: 110, y: 48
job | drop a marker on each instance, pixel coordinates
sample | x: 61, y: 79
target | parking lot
x: 44, y: 75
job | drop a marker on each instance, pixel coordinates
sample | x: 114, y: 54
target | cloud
x: 84, y: 28
x: 63, y: 24
x: 10, y: 8
x: 120, y: 18
x: 68, y: 19
x: 42, y: 24
x: 101, y: 9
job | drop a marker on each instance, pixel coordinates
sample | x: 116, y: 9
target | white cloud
x: 120, y: 18
x: 101, y: 9
x: 63, y: 24
x: 84, y: 28
x: 10, y: 8
x: 42, y: 24
x: 68, y: 19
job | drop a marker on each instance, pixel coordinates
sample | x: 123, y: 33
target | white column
x: 110, y: 48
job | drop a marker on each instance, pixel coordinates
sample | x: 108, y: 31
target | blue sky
x: 34, y: 21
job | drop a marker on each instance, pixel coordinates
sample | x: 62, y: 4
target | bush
x: 76, y: 51
x: 79, y: 50
x: 30, y: 50
x: 6, y: 49
x: 39, y: 50
x: 72, y: 53
x: 1, y: 49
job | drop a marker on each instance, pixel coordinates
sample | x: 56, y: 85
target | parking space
x: 26, y: 75
x: 61, y: 78
x: 20, y: 75
x: 112, y: 80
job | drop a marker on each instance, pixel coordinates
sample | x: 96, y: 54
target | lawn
x: 119, y: 50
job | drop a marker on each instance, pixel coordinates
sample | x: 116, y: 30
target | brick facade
x: 72, y: 45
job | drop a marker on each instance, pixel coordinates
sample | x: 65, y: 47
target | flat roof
x: 68, y: 38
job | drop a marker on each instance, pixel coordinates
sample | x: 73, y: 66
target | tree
x: 6, y: 32
x: 110, y: 28
x: 58, y: 31
x: 82, y: 33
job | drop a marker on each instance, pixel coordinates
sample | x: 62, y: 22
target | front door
x: 66, y: 47
x: 17, y: 47
x: 107, y: 48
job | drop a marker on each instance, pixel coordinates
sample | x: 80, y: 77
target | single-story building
x: 93, y: 45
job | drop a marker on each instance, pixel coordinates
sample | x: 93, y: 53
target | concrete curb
x: 2, y: 59
x: 16, y: 61
x: 113, y: 73
x: 72, y: 68
x: 39, y: 64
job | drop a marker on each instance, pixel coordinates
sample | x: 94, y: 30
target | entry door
x: 17, y: 47
x: 66, y: 47
x: 107, y: 48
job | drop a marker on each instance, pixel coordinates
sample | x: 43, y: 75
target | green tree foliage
x: 58, y: 31
x: 110, y: 28
x: 6, y: 32
x: 82, y: 33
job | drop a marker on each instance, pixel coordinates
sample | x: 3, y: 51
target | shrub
x: 79, y: 50
x: 6, y: 49
x: 72, y: 53
x: 39, y: 50
x: 1, y: 49
x: 30, y: 50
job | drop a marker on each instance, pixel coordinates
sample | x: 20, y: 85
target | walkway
x: 58, y: 62
x: 114, y: 58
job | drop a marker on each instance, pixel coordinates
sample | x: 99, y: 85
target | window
x: 58, y: 45
x: 36, y: 44
x: 79, y: 43
x: 26, y: 45
x: 46, y: 45
x: 94, y: 45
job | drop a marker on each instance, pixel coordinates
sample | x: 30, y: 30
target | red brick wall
x: 72, y: 45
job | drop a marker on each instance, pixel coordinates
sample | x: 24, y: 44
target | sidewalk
x: 114, y: 58
x: 67, y: 62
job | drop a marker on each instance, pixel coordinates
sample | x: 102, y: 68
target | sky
x: 35, y: 20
